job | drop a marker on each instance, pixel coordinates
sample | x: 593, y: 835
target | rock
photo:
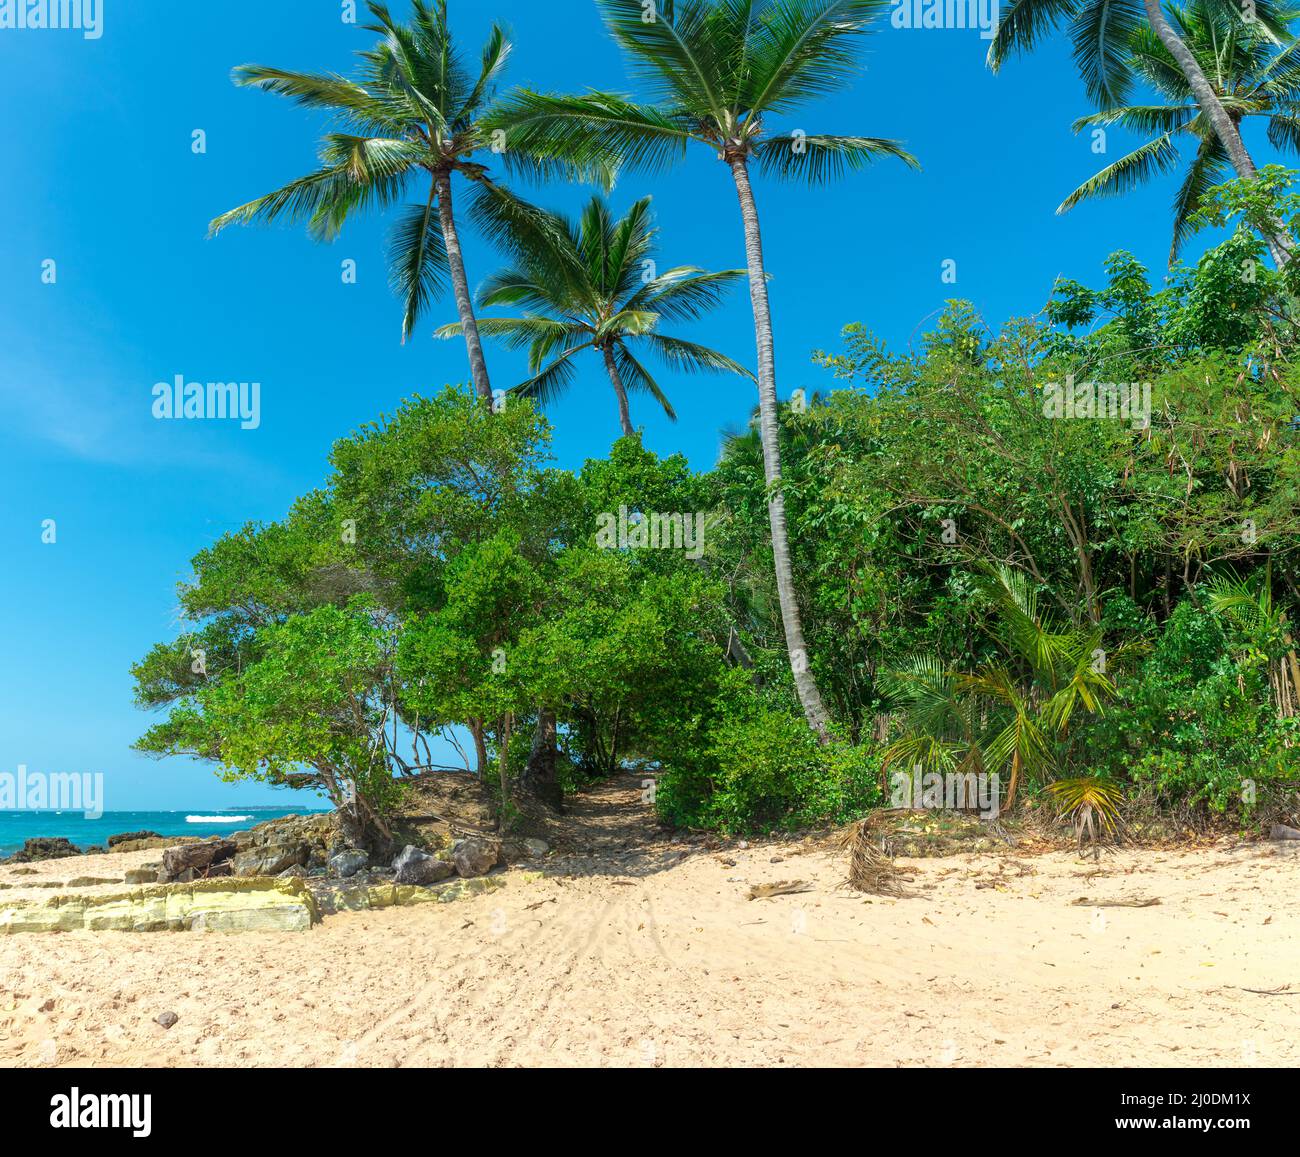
x: 167, y: 1019
x: 196, y: 859
x: 291, y: 871
x: 154, y: 843
x: 92, y: 881
x: 125, y: 837
x: 513, y: 850
x: 347, y: 863
x: 221, y: 905
x: 1282, y: 832
x: 317, y: 832
x: 333, y: 896
x: 45, y: 848
x: 416, y: 867
x: 212, y: 872
x: 269, y: 859
x: 144, y: 874
x: 476, y: 856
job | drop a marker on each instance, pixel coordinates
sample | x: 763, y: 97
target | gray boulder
x: 416, y: 867
x: 476, y: 856
x: 348, y: 863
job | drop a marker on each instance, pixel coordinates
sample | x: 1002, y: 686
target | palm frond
x: 818, y: 159
x: 1141, y: 165
x: 690, y: 357
x: 802, y: 50
x: 637, y: 379
x: 418, y: 267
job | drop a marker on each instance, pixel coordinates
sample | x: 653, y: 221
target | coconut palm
x: 590, y: 285
x: 414, y: 111
x: 719, y: 74
x: 1251, y: 76
x: 1101, y: 31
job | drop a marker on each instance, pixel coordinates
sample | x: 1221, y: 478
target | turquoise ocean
x: 17, y: 826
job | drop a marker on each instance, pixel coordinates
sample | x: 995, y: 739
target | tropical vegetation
x: 1006, y: 566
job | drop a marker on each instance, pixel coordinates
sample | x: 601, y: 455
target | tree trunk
x: 806, y: 685
x: 1225, y: 128
x: 507, y: 726
x: 540, y: 779
x: 480, y: 749
x: 620, y: 391
x: 460, y: 286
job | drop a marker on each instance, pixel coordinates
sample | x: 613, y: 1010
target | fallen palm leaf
x: 781, y: 888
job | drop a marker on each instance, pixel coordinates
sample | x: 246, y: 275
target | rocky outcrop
x: 228, y: 905
x: 270, y: 859
x: 131, y: 838
x: 154, y: 843
x: 316, y: 835
x: 353, y: 896
x: 45, y: 848
x: 416, y: 867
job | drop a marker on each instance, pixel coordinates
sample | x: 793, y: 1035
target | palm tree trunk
x: 1225, y: 128
x: 620, y: 391
x: 460, y: 286
x: 809, y: 695
x: 539, y: 778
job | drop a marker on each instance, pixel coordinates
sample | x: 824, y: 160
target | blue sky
x: 103, y: 181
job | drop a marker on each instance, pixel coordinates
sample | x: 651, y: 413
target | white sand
x: 659, y: 958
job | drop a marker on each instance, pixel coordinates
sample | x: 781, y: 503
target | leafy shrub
x: 1195, y: 724
x: 759, y: 767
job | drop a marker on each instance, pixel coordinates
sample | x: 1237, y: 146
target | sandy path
x: 656, y: 957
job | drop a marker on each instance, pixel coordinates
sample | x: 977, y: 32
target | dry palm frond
x: 871, y: 868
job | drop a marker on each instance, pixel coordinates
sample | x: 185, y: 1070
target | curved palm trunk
x: 620, y: 391
x: 1225, y: 128
x: 809, y: 695
x: 460, y: 286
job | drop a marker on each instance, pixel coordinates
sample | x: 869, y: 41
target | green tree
x: 589, y: 285
x: 719, y: 72
x: 1252, y: 76
x: 414, y: 111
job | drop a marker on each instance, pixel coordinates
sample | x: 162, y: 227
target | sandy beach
x: 652, y: 954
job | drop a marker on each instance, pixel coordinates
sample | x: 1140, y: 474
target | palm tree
x: 1101, y: 31
x: 1251, y: 78
x: 1013, y: 712
x: 413, y: 111
x: 1262, y: 632
x: 589, y: 285
x: 719, y: 73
